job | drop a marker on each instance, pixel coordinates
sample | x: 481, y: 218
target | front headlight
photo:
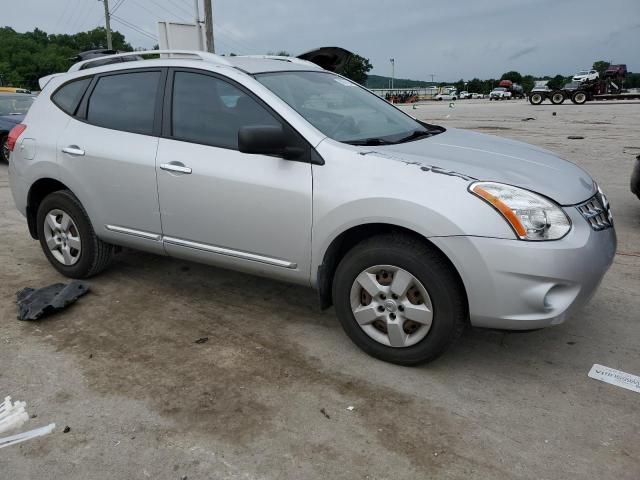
x: 532, y: 216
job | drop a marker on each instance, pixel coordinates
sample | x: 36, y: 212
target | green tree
x: 25, y: 57
x: 514, y: 76
x: 528, y: 82
x: 601, y: 66
x: 357, y: 69
x: 459, y: 85
x: 474, y: 85
x: 557, y: 82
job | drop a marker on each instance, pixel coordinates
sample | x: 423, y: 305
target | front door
x: 221, y: 206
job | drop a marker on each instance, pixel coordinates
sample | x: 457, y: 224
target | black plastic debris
x: 37, y: 303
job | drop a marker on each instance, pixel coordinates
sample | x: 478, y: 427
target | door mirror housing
x: 268, y: 140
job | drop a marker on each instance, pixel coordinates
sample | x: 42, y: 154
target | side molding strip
x: 136, y: 233
x: 230, y: 253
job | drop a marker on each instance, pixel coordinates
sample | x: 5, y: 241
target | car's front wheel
x: 67, y: 237
x: 399, y: 300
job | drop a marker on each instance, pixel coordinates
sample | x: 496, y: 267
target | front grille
x: 597, y: 212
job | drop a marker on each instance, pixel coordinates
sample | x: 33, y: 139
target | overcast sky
x: 451, y: 39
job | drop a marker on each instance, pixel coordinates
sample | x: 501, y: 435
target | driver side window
x: 210, y: 111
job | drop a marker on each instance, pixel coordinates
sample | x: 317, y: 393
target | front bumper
x: 519, y: 285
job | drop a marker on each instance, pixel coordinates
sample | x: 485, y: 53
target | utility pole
x: 393, y: 70
x: 196, y: 11
x: 432, y: 75
x: 107, y: 23
x: 208, y: 25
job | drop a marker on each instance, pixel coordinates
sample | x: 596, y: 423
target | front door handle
x: 175, y: 167
x: 74, y: 150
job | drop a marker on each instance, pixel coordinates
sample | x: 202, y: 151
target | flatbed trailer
x: 617, y: 96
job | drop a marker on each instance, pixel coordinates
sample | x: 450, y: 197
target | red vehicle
x: 516, y: 90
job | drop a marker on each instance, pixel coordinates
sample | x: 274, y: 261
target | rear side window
x: 125, y: 102
x: 210, y: 111
x: 68, y: 97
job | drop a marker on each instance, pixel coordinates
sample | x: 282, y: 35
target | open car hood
x: 333, y: 59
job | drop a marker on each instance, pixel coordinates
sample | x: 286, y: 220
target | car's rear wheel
x: 399, y: 300
x: 4, y: 150
x: 557, y: 98
x: 579, y: 98
x: 68, y: 239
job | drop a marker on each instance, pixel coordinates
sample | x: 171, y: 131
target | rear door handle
x: 175, y: 167
x: 73, y: 150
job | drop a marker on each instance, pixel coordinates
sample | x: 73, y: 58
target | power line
x: 168, y: 11
x: 64, y: 13
x: 73, y: 16
x: 83, y: 18
x: 134, y: 27
x: 181, y: 7
x: 230, y: 39
x: 117, y: 6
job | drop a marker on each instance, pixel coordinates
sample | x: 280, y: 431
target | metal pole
x: 107, y: 23
x: 208, y: 25
x: 196, y: 10
x: 393, y: 70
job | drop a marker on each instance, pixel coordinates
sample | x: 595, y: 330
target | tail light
x: 14, y: 134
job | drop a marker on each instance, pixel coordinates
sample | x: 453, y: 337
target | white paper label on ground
x: 615, y: 377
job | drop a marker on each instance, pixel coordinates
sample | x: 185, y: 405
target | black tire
x: 579, y: 97
x: 95, y: 254
x: 536, y: 98
x: 431, y: 268
x: 557, y: 97
x: 4, y: 153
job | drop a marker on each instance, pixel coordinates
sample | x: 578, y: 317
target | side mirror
x: 268, y: 140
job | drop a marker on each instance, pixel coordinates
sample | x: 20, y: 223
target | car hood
x: 14, y: 119
x: 491, y: 158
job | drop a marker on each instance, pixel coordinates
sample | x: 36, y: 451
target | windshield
x: 342, y: 110
x: 499, y: 89
x: 15, y: 104
x: 583, y: 72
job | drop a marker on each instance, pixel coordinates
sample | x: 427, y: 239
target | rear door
x: 108, y: 152
x: 221, y: 206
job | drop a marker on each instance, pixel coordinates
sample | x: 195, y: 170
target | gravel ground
x: 266, y: 396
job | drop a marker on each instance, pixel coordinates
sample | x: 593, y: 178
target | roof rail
x: 204, y: 56
x: 282, y: 58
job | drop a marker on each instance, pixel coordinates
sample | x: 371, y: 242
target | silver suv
x: 276, y: 167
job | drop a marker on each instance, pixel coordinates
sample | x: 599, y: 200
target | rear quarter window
x: 125, y: 102
x: 69, y: 95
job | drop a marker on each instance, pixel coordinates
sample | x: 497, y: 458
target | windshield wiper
x: 370, y: 142
x: 415, y: 135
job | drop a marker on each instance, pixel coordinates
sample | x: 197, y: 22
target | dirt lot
x: 142, y: 400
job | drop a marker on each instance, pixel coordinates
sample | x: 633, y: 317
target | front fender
x: 353, y: 189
